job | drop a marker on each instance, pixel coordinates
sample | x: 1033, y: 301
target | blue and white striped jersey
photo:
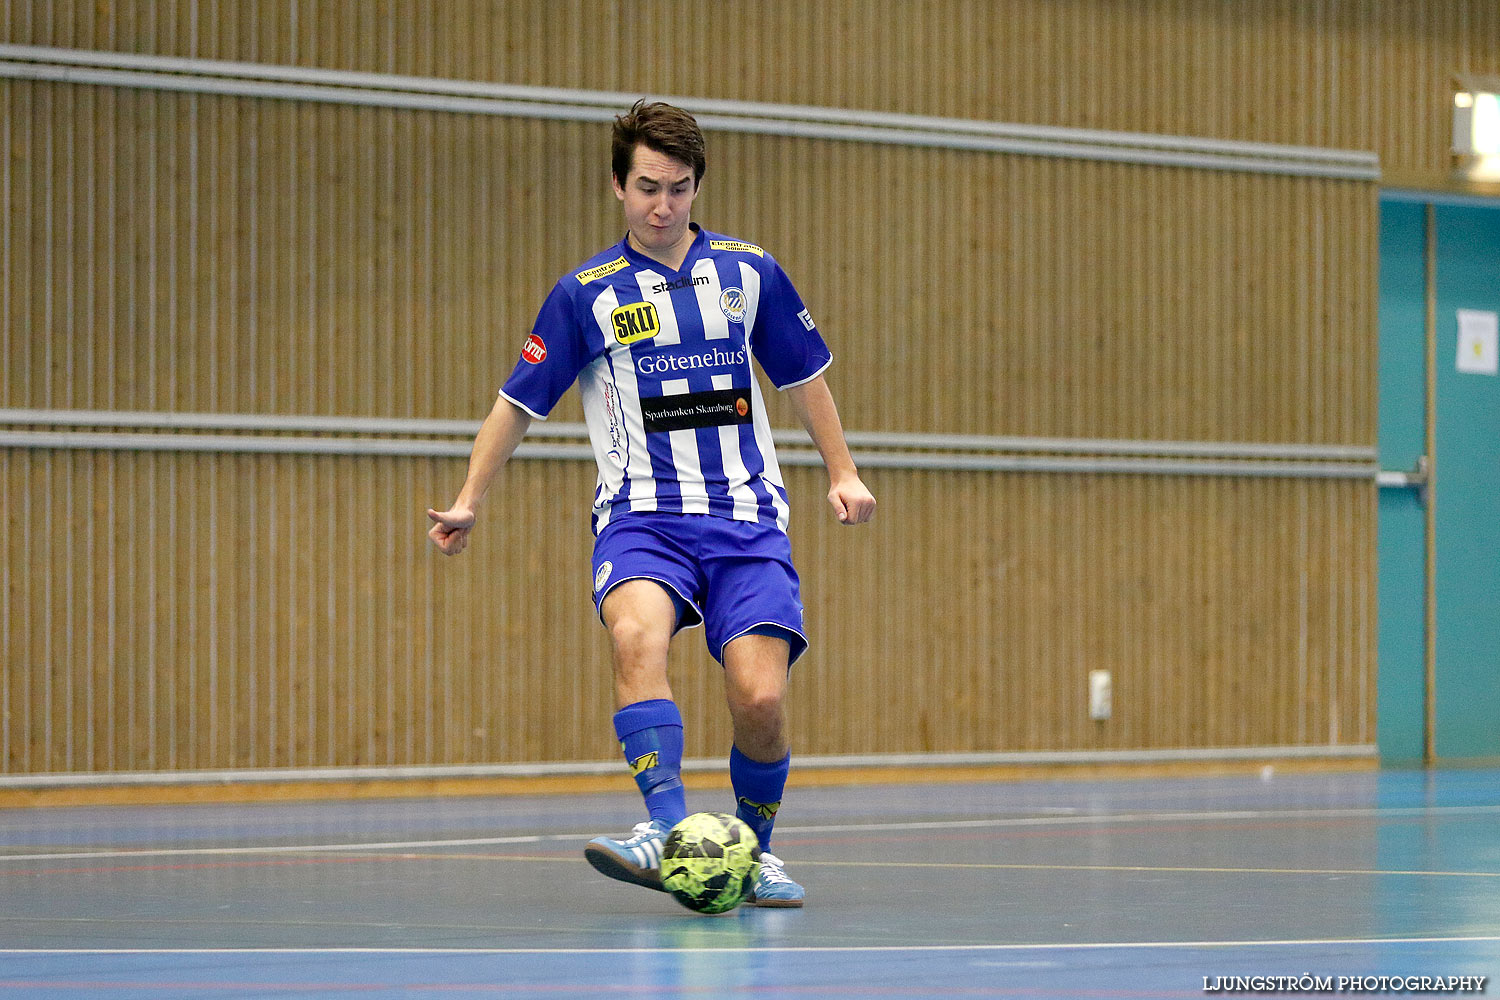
x: 662, y: 361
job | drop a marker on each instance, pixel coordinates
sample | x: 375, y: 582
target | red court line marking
x: 204, y: 865
x: 1088, y: 831
x: 143, y: 984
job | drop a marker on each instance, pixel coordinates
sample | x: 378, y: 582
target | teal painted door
x: 1468, y: 499
x: 1403, y: 307
x: 1468, y: 485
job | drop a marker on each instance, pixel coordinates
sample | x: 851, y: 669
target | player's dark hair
x: 667, y: 130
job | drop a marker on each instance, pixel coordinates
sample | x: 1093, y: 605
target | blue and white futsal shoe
x: 637, y: 860
x: 772, y: 887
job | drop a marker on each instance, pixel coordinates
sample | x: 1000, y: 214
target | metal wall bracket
x: 1418, y: 479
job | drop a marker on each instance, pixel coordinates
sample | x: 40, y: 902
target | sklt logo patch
x: 602, y: 577
x: 646, y: 761
x: 637, y: 321
x: 765, y: 810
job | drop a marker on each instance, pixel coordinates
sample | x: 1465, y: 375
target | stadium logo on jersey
x: 644, y: 762
x: 732, y: 304
x: 535, y: 351
x: 806, y: 318
x: 686, y: 282
x: 736, y: 245
x: 765, y: 810
x: 603, y: 270
x: 602, y: 577
x: 637, y: 321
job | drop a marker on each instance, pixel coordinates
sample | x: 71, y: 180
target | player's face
x: 658, y: 199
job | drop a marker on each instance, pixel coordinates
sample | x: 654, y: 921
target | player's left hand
x: 852, y: 502
x: 450, y: 528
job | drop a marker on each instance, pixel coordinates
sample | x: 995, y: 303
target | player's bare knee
x: 636, y: 640
x: 760, y: 708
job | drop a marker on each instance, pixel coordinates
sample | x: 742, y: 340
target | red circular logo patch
x: 535, y: 350
x: 741, y: 406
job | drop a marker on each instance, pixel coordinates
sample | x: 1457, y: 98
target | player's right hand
x: 450, y: 529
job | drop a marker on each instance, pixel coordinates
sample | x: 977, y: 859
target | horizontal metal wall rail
x: 290, y: 434
x: 544, y: 769
x: 204, y: 76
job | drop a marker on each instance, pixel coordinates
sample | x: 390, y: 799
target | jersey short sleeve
x: 784, y: 338
x: 551, y: 358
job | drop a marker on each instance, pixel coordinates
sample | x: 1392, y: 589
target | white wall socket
x: 1101, y: 694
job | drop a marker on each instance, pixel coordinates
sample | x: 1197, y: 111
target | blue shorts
x: 732, y: 577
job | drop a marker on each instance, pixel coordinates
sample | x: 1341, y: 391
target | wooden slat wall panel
x: 178, y: 252
x: 241, y: 625
x: 1355, y: 74
x: 250, y: 259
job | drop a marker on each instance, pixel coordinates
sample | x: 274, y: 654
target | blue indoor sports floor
x: 1130, y: 888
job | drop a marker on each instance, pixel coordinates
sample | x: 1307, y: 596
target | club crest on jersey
x: 644, y: 761
x: 636, y: 321
x: 765, y: 810
x: 732, y: 304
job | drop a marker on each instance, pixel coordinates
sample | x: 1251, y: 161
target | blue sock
x: 650, y: 733
x: 757, y: 790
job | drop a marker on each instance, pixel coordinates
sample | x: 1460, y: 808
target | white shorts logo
x: 602, y: 577
x: 806, y: 318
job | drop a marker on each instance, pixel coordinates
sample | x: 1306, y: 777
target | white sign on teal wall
x: 1477, y: 332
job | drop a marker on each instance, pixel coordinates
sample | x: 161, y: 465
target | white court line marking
x: 752, y: 949
x: 181, y: 852
x: 993, y: 866
x: 1142, y: 868
x: 967, y: 824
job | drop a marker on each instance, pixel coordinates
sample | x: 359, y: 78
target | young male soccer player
x: 690, y: 513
